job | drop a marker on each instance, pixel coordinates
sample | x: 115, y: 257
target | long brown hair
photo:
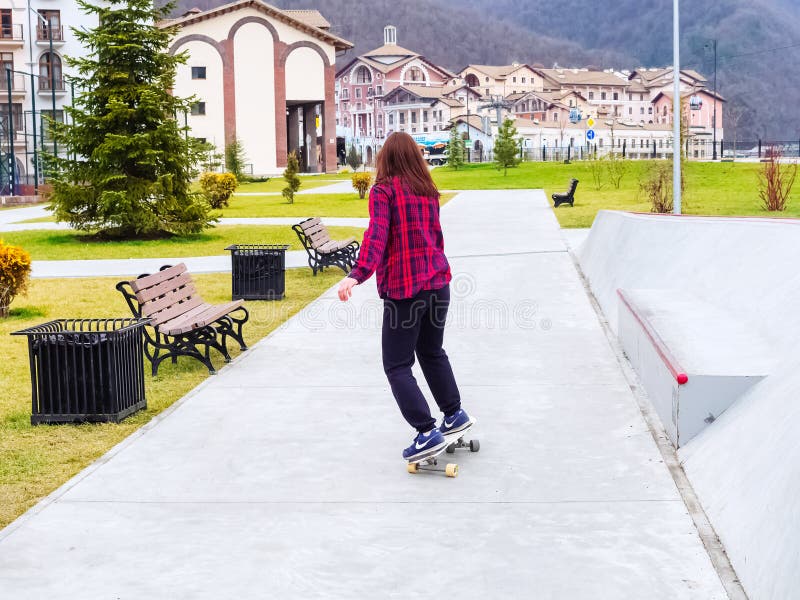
x: 401, y: 157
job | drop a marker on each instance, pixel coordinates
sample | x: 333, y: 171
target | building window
x: 486, y: 80
x: 602, y: 95
x: 198, y: 108
x: 616, y: 95
x: 425, y: 116
x: 46, y: 128
x: 641, y: 97
x: 513, y: 80
x: 358, y: 92
x: 52, y: 27
x: 414, y: 74
x: 413, y: 118
x: 379, y: 90
x: 6, y: 24
x: 591, y: 95
x: 402, y: 118
x: 391, y: 119
x: 555, y: 116
x: 649, y: 110
x: 523, y: 80
x: 17, y: 114
x: 50, y: 75
x: 198, y: 72
x: 630, y: 97
x: 641, y: 110
x: 363, y: 75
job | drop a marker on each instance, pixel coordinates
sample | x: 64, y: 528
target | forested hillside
x: 758, y: 40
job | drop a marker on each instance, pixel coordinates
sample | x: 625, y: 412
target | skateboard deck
x: 453, y: 442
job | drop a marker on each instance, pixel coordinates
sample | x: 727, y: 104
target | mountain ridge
x: 754, y: 75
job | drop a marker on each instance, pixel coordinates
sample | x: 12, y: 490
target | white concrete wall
x: 209, y: 90
x: 255, y: 96
x: 744, y: 466
x: 305, y: 76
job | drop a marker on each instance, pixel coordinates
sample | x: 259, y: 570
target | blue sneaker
x: 457, y: 423
x: 424, y: 445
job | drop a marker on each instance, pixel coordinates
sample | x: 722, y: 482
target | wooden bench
x: 182, y: 323
x: 322, y: 250
x: 568, y: 197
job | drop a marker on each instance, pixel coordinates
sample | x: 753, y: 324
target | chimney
x: 390, y: 35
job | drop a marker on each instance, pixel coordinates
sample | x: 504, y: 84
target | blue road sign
x: 590, y: 134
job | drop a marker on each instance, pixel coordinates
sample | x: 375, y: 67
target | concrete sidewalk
x: 281, y: 477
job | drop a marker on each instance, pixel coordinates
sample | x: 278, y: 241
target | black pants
x: 416, y: 326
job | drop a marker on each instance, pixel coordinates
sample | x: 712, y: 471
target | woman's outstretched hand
x: 346, y: 288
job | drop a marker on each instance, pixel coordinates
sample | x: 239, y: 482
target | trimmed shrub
x: 15, y: 272
x: 218, y: 188
x: 290, y: 175
x: 362, y: 182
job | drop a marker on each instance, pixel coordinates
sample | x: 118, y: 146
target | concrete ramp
x: 723, y: 293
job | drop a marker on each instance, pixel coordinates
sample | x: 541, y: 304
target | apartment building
x: 363, y: 83
x: 35, y: 36
x: 502, y: 80
x: 264, y: 76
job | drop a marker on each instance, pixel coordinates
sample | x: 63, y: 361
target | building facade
x: 262, y: 76
x: 363, y: 84
x: 502, y: 80
x: 34, y: 39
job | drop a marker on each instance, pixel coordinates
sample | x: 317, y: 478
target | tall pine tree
x: 129, y: 163
x: 506, y: 146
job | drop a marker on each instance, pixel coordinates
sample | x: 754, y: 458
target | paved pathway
x: 281, y: 477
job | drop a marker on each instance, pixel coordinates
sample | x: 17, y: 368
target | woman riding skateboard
x: 404, y: 246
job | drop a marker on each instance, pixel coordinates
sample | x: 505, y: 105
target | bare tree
x: 735, y: 113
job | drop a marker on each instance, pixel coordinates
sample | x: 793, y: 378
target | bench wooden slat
x: 308, y: 223
x: 183, y: 323
x: 164, y: 287
x: 156, y: 278
x: 169, y: 300
x: 176, y: 310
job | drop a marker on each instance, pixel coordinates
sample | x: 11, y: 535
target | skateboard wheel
x: 451, y: 470
x: 413, y: 467
x: 451, y: 448
x: 474, y: 445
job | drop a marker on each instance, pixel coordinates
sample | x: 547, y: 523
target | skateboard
x: 453, y: 443
x: 474, y: 445
x: 431, y: 462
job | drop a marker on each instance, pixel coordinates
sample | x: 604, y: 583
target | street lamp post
x: 676, y: 109
x: 713, y: 44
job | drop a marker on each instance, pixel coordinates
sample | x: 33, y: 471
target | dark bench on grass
x: 182, y: 324
x: 322, y: 250
x: 568, y: 197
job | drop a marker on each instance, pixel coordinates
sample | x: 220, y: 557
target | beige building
x: 264, y: 76
x: 502, y: 80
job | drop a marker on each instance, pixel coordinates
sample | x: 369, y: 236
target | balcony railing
x: 17, y: 82
x: 10, y: 32
x: 43, y: 33
x: 46, y: 85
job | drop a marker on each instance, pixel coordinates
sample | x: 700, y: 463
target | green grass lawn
x: 70, y: 245
x: 711, y: 188
x: 308, y: 182
x: 34, y: 461
x: 322, y: 205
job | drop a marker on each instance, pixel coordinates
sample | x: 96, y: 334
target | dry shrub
x: 656, y: 184
x: 775, y: 181
x: 362, y: 182
x: 218, y: 188
x: 15, y: 272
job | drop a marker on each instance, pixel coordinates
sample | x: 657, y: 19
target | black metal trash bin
x: 86, y: 370
x: 258, y: 271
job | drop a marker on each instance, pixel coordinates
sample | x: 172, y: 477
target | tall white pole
x: 676, y: 110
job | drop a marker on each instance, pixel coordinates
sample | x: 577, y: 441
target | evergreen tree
x: 455, y: 148
x: 506, y: 146
x: 290, y: 175
x: 235, y: 159
x: 353, y: 158
x: 128, y: 164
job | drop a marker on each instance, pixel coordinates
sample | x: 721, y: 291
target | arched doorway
x: 472, y: 80
x: 478, y: 149
x: 369, y: 156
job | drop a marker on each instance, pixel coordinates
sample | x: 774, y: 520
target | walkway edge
x: 711, y: 542
x: 101, y: 460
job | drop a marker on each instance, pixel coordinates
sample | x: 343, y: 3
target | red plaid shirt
x: 403, y: 244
